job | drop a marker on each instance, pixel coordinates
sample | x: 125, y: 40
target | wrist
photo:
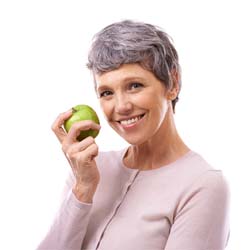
x: 84, y: 193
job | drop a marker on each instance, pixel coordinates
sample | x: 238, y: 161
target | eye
x: 135, y: 85
x: 105, y: 93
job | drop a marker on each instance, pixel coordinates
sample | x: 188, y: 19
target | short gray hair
x: 129, y: 41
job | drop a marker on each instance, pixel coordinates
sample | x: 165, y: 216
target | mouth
x: 131, y: 120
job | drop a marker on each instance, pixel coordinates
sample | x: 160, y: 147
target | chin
x: 133, y: 140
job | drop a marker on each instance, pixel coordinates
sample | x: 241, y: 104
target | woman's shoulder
x: 198, y: 173
x: 213, y: 180
x: 204, y: 186
x: 208, y: 177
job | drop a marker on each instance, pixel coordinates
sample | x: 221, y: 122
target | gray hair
x: 136, y: 42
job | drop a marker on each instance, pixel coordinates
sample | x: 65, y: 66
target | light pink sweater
x: 181, y: 206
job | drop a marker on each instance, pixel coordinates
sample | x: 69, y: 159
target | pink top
x: 180, y: 206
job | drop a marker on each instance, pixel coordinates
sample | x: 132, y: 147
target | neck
x: 165, y: 147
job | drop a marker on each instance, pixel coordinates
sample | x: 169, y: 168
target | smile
x: 131, y: 120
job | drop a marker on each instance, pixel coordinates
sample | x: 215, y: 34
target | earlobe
x: 174, y: 91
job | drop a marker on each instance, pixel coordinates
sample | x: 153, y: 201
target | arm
x: 70, y: 225
x: 201, y: 220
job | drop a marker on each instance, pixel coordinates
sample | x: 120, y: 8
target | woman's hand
x: 81, y: 155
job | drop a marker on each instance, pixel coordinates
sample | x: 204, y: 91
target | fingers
x: 89, y: 154
x: 81, y: 153
x: 76, y: 129
x: 57, y: 126
x: 71, y: 149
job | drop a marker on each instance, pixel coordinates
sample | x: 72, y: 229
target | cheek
x: 151, y: 101
x: 159, y: 109
x: 142, y: 101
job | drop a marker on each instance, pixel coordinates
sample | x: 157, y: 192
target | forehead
x: 124, y: 73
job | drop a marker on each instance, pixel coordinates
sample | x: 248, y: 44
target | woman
x: 155, y: 194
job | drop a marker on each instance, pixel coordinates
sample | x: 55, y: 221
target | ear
x: 174, y: 91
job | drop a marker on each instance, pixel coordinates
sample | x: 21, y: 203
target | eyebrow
x: 133, y: 78
x: 125, y: 80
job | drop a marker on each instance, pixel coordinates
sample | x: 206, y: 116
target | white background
x: 43, y: 51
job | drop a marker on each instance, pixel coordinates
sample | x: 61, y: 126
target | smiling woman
x: 157, y: 193
x: 135, y: 103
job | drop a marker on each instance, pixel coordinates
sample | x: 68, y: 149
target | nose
x: 123, y: 105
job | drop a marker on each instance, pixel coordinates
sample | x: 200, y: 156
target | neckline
x: 187, y: 155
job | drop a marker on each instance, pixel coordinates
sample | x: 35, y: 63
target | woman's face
x: 134, y: 102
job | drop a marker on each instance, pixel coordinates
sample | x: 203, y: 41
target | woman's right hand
x: 81, y: 155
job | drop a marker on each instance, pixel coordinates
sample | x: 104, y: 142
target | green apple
x: 80, y: 113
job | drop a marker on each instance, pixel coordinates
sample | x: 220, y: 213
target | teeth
x: 130, y: 121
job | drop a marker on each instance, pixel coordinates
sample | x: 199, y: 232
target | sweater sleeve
x: 69, y: 227
x: 202, y: 218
